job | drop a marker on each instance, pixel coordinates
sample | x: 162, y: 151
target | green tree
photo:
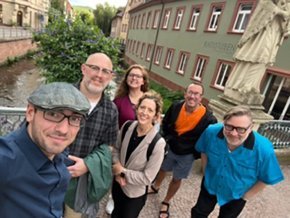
x: 56, y: 9
x: 85, y: 13
x: 65, y: 45
x: 103, y: 17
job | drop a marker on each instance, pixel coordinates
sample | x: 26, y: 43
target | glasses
x: 57, y: 117
x: 240, y: 130
x: 96, y: 68
x: 132, y: 75
x: 190, y: 93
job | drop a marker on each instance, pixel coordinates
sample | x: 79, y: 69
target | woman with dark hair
x: 131, y: 88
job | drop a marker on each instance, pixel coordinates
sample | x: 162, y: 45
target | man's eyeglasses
x: 97, y: 69
x: 190, y: 93
x: 240, y: 130
x: 135, y: 75
x: 57, y: 117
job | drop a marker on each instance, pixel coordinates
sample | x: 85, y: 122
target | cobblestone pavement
x: 273, y: 202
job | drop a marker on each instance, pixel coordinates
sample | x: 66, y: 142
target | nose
x: 234, y: 132
x: 63, y: 126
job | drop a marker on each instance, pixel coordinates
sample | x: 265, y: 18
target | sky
x: 93, y: 3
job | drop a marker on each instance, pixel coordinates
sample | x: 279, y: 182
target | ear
x: 30, y: 113
x: 83, y: 68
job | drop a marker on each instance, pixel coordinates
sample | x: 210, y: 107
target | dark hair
x: 195, y: 83
x: 123, y: 89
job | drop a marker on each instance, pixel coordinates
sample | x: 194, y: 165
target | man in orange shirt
x: 182, y: 125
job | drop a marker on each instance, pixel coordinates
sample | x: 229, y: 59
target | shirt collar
x: 249, y: 142
x: 31, y: 151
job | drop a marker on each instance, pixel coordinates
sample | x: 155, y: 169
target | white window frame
x: 199, y: 67
x: 166, y: 19
x: 194, y: 18
x: 169, y: 58
x: 214, y: 18
x: 148, y: 19
x: 224, y: 71
x: 142, y: 50
x: 178, y: 19
x: 156, y: 19
x: 242, y: 18
x: 148, y: 53
x: 137, y: 48
x: 158, y: 54
x: 182, y: 63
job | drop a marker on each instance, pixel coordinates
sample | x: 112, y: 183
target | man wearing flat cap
x: 33, y: 173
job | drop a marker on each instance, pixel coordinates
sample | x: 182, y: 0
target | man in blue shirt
x: 237, y: 164
x: 33, y: 173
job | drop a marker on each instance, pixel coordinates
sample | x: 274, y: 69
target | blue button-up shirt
x: 31, y: 185
x: 229, y: 175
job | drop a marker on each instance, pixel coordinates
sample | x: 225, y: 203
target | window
x: 166, y: 18
x: 216, y: 11
x: 1, y: 15
x: 178, y: 18
x: 169, y: 58
x: 142, y: 50
x: 148, y: 20
x: 156, y: 19
x: 143, y: 21
x: 158, y: 54
x: 195, y: 12
x: 148, y: 53
x: 183, y: 59
x: 137, y: 49
x: 134, y: 24
x: 133, y: 47
x: 200, y: 64
x: 138, y: 22
x: 242, y: 17
x: 223, y: 72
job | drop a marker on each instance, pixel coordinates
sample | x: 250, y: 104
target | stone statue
x: 258, y: 46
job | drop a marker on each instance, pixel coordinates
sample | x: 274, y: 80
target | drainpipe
x: 156, y: 36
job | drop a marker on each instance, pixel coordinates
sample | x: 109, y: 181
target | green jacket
x: 98, y: 182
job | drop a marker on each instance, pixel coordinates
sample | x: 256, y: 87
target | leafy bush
x: 167, y: 95
x: 65, y: 45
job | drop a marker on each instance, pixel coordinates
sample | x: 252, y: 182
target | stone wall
x: 15, y: 48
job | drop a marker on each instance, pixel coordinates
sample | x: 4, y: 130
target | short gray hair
x: 239, y: 110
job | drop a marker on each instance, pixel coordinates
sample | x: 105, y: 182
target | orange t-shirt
x: 188, y: 121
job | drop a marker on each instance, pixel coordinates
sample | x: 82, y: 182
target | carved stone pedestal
x: 232, y: 98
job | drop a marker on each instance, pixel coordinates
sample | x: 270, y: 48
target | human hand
x: 117, y: 168
x: 121, y: 180
x: 79, y: 168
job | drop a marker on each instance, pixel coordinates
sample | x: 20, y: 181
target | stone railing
x: 10, y: 119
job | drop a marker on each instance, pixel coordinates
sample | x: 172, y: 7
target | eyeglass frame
x: 82, y: 121
x: 97, y: 69
x: 239, y: 130
x: 132, y: 75
x: 196, y: 94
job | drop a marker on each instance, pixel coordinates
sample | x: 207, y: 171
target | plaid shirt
x: 101, y: 127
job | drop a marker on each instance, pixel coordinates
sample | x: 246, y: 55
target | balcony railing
x: 10, y: 33
x: 277, y: 131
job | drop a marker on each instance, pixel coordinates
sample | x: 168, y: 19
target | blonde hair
x: 156, y: 97
x: 123, y: 89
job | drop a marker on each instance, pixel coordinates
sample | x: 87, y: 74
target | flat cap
x: 60, y: 95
